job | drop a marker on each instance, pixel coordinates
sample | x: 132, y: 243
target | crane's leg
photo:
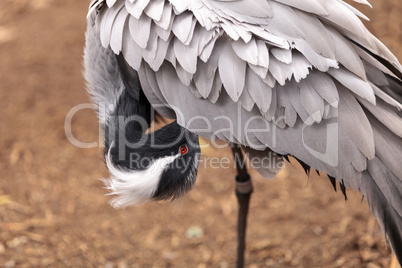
x: 244, y: 188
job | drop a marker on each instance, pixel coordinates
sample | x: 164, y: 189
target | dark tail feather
x: 333, y: 181
x: 343, y: 189
x: 304, y: 165
x: 389, y: 219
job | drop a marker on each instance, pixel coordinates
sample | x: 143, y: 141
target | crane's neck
x: 143, y: 166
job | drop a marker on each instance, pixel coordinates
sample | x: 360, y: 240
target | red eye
x: 183, y: 149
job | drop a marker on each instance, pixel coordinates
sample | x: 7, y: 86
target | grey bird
x: 276, y: 78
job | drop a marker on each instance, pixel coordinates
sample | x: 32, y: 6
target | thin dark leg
x: 244, y: 188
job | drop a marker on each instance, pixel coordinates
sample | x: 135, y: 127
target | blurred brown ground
x: 53, y: 208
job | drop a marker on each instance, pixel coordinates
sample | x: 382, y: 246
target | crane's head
x: 162, y: 167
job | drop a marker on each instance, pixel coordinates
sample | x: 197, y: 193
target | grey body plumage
x: 325, y: 89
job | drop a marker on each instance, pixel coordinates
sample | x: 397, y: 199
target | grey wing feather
x: 116, y: 38
x: 132, y: 52
x: 354, y: 83
x: 216, y: 88
x: 204, y: 78
x: 385, y: 114
x: 254, y: 84
x: 186, y: 55
x: 107, y: 23
x: 283, y: 55
x: 346, y: 54
x: 312, y: 102
x: 246, y: 100
x: 155, y: 10
x: 325, y: 87
x: 233, y: 72
x: 143, y: 26
x: 290, y: 114
x: 358, y: 128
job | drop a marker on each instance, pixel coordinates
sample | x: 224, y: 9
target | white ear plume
x: 135, y: 187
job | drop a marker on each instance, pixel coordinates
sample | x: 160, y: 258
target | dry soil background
x: 53, y: 208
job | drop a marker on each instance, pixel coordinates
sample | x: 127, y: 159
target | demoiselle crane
x: 277, y: 78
